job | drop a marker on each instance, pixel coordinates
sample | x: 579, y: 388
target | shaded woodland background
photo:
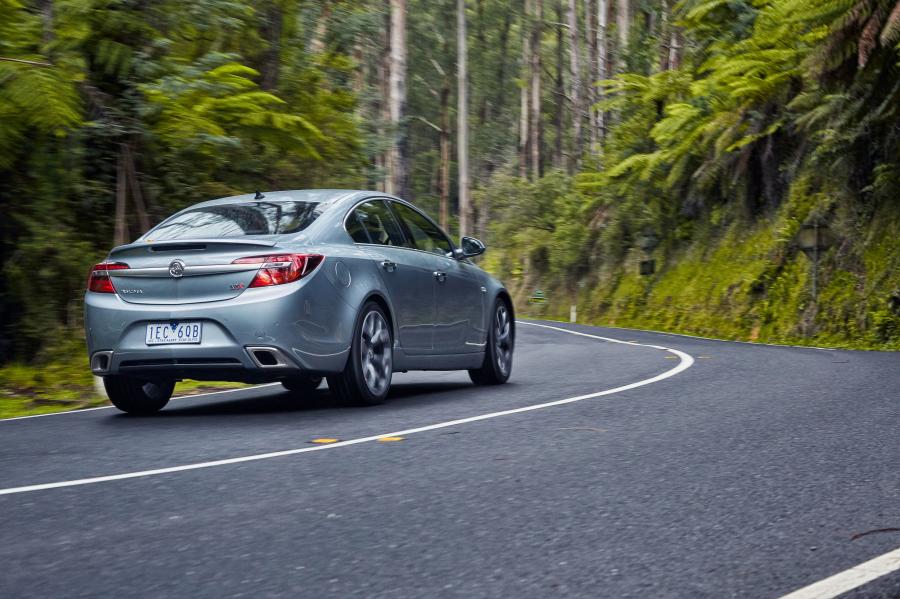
x: 576, y: 137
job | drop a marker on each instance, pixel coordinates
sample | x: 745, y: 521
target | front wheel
x: 138, y: 396
x: 366, y: 379
x: 498, y: 354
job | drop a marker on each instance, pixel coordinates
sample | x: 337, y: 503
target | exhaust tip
x: 101, y: 361
x: 268, y: 357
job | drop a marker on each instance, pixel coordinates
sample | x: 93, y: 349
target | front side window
x: 373, y: 222
x: 238, y: 220
x: 425, y: 234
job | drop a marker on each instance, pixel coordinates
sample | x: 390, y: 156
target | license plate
x: 160, y: 333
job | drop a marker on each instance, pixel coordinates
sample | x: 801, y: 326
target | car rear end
x: 250, y: 304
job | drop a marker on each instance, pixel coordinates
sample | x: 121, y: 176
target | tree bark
x: 137, y: 194
x: 623, y: 22
x: 271, y: 58
x: 535, y: 100
x: 383, y: 70
x: 500, y: 94
x: 481, y: 50
x: 575, y: 86
x: 444, y: 180
x: 462, y: 126
x: 317, y: 43
x: 525, y: 92
x: 590, y: 36
x: 602, y: 61
x: 398, y: 163
x: 46, y: 9
x: 664, y: 36
x: 120, y: 236
x: 560, y: 91
x: 676, y: 43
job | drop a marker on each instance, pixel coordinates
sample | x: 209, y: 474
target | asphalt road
x: 745, y: 475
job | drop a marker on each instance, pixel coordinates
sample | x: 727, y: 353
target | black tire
x: 302, y: 385
x: 366, y: 379
x: 138, y: 396
x: 498, y: 354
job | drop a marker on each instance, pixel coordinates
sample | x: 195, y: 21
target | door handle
x: 388, y: 265
x: 440, y: 276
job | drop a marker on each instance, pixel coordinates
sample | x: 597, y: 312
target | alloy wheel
x: 375, y: 346
x: 503, y: 343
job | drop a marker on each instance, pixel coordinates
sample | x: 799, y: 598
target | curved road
x: 694, y: 468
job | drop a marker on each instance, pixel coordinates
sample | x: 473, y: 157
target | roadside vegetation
x: 595, y: 134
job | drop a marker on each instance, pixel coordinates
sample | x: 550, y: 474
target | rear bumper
x: 250, y: 364
x: 305, y: 327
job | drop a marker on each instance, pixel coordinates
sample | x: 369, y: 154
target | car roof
x: 289, y: 195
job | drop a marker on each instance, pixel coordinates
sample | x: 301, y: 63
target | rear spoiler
x: 236, y: 244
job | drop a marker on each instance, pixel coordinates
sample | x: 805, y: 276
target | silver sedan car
x: 294, y: 286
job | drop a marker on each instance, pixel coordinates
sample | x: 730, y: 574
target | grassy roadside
x: 62, y: 385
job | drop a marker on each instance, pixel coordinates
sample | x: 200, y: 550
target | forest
x: 581, y: 139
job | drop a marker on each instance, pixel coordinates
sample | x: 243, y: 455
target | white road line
x: 689, y: 336
x: 850, y: 579
x: 685, y: 362
x: 108, y: 407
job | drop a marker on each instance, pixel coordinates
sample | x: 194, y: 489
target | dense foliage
x: 725, y: 124
x: 167, y: 102
x: 781, y: 110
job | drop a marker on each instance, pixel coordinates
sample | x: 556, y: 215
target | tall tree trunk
x: 575, y: 86
x: 46, y: 9
x: 664, y: 36
x: 383, y: 158
x: 271, y: 33
x: 535, y: 100
x: 137, y: 194
x: 501, y: 91
x: 120, y: 237
x: 480, y: 50
x: 560, y: 91
x: 602, y: 61
x: 623, y: 22
x: 525, y: 91
x: 676, y: 43
x: 462, y: 126
x: 317, y: 43
x: 590, y: 36
x: 398, y: 163
x: 444, y: 180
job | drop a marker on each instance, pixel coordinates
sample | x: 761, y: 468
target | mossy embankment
x: 741, y: 279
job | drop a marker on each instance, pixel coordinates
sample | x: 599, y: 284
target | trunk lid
x: 187, y: 271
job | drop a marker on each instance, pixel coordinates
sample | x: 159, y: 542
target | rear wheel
x: 138, y: 396
x: 498, y: 354
x: 366, y: 379
x: 302, y: 385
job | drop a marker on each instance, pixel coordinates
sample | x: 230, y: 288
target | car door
x: 407, y: 277
x: 459, y: 316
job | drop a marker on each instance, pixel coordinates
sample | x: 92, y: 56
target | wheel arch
x: 385, y: 305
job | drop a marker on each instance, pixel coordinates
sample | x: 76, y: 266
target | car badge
x: 176, y: 269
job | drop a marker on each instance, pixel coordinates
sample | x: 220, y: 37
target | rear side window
x: 425, y: 234
x: 237, y: 220
x: 373, y: 222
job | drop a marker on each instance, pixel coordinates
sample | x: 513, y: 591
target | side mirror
x: 469, y: 246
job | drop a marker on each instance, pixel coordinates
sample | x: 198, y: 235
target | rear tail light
x: 281, y: 268
x: 99, y: 281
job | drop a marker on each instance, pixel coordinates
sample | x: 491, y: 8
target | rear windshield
x: 237, y: 220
